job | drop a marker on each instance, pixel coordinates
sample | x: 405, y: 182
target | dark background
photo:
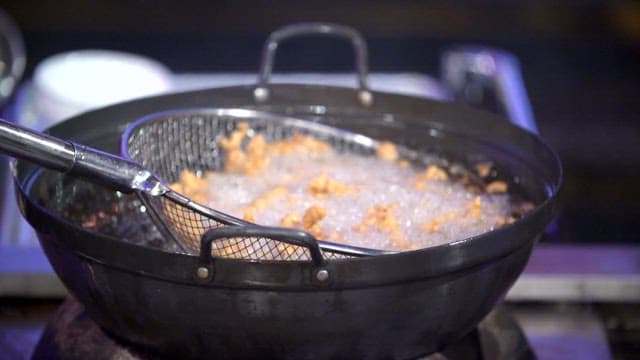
x: 580, y: 61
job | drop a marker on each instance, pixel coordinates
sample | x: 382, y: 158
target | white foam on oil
x: 440, y: 214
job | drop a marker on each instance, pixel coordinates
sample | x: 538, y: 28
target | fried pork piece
x: 432, y: 173
x: 234, y: 163
x: 322, y: 186
x: 232, y: 144
x: 525, y: 207
x: 404, y: 164
x: 435, y: 173
x: 387, y: 151
x: 257, y: 158
x: 298, y: 143
x: 434, y: 224
x: 235, y: 138
x: 192, y: 186
x: 263, y: 201
x: 475, y: 208
x: 292, y: 220
x: 483, y: 169
x: 496, y: 187
x: 519, y: 211
x: 505, y: 221
x: 250, y: 162
x: 379, y: 216
x: 311, y: 220
x: 473, y: 211
x: 382, y: 218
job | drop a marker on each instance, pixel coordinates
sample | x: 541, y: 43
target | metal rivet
x: 261, y: 94
x: 202, y: 272
x: 366, y: 98
x: 322, y: 275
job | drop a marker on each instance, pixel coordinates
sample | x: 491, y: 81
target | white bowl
x: 67, y: 84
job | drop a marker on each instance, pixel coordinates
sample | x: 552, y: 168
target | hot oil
x: 382, y: 205
x: 99, y: 210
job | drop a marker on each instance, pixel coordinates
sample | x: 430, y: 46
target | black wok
x: 133, y: 284
x: 401, y: 305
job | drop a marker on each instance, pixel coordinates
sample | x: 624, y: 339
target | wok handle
x: 285, y: 235
x: 76, y: 160
x: 261, y: 92
x: 472, y: 71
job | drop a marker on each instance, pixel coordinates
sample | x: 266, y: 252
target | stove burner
x: 72, y: 335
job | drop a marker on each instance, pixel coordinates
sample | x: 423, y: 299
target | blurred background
x: 580, y: 63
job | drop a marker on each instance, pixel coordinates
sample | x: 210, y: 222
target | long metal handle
x: 471, y: 71
x: 42, y: 149
x: 261, y: 92
x: 77, y: 160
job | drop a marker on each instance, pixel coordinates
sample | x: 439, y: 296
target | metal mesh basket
x: 170, y: 142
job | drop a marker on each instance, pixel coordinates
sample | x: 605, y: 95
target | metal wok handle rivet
x: 365, y: 97
x: 261, y: 94
x: 322, y: 275
x: 202, y: 273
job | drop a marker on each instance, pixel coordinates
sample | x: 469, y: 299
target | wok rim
x: 537, y: 218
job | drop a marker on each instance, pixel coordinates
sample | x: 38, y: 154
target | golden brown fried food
x: 496, y: 187
x: 434, y: 224
x: 192, y: 186
x: 322, y: 186
x: 263, y: 201
x: 249, y: 153
x: 298, y: 143
x: 382, y: 218
x: 292, y: 220
x: 475, y: 207
x: 432, y: 173
x: 483, y: 169
x: 311, y: 220
x: 387, y: 151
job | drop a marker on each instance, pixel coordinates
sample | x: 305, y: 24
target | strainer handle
x: 77, y: 160
x: 261, y: 92
x: 285, y: 235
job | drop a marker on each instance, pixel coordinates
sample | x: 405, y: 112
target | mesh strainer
x: 162, y: 145
x: 169, y: 142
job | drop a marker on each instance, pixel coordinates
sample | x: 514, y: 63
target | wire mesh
x: 169, y: 143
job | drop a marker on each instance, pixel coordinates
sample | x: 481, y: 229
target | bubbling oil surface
x: 378, y: 204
